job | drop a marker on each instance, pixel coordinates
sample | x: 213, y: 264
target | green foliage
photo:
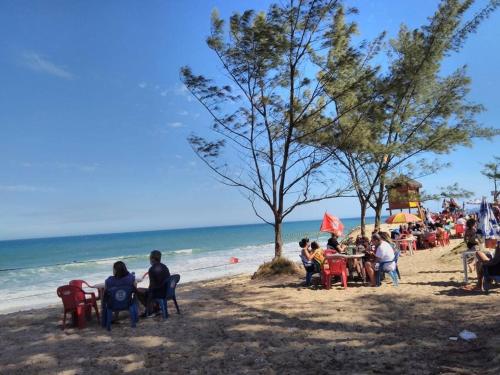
x: 492, y: 172
x: 448, y: 192
x: 277, y: 91
x: 413, y: 108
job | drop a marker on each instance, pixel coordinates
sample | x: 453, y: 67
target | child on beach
x: 318, y: 253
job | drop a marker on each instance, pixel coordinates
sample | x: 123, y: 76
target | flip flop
x: 471, y: 288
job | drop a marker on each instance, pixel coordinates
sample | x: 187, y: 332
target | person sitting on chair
x: 334, y: 244
x: 486, y: 259
x: 121, y: 277
x: 384, y: 253
x: 318, y: 254
x: 307, y: 256
x: 158, y: 273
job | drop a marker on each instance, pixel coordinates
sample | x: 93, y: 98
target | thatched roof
x: 403, y: 181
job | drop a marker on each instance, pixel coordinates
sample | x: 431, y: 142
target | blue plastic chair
x: 394, y: 274
x: 120, y: 298
x: 165, y: 293
x: 487, y: 279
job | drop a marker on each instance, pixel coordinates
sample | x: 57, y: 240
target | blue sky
x: 94, y: 119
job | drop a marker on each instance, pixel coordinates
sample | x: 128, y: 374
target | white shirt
x: 385, y: 253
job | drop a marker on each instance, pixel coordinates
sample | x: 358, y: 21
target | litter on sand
x: 467, y: 335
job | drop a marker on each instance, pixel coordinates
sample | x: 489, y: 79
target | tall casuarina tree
x: 276, y: 85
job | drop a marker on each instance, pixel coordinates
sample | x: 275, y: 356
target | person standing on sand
x: 158, y: 273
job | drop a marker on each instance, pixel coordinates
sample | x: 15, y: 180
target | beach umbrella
x: 331, y: 224
x: 401, y: 218
x: 488, y: 225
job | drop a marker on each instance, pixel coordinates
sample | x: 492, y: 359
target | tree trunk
x: 496, y: 193
x: 278, y: 239
x: 379, y: 202
x: 363, y: 217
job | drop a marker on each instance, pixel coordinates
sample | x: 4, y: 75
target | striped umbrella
x: 401, y: 218
x: 488, y: 225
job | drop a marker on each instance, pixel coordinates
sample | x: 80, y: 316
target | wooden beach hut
x: 404, y: 193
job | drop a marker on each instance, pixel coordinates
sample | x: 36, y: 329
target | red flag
x: 331, y: 224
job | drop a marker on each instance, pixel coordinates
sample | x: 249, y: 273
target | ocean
x: 32, y: 269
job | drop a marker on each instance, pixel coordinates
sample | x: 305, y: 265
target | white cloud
x: 38, y: 63
x: 182, y: 90
x: 176, y: 124
x: 177, y: 90
x: 26, y: 189
x: 178, y: 156
x: 183, y: 113
x: 61, y: 165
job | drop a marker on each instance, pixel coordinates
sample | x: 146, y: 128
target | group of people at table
x: 379, y: 250
x: 382, y: 248
x: 158, y: 273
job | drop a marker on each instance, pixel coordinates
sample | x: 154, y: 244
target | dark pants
x: 144, y: 297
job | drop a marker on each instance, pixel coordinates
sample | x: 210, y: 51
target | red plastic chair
x: 330, y: 252
x: 82, y: 295
x: 444, y: 239
x: 336, y: 267
x: 81, y: 283
x: 403, y: 245
x: 459, y: 230
x: 72, y: 302
x: 430, y: 240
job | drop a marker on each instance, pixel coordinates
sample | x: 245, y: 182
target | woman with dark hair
x: 121, y: 276
x: 307, y: 256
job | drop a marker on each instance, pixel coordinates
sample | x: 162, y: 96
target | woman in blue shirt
x: 121, y: 277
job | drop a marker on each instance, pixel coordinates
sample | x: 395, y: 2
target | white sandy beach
x: 237, y: 325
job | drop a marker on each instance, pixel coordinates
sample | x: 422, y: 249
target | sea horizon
x: 368, y: 218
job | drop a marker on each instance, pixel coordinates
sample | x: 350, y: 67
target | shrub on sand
x: 276, y: 267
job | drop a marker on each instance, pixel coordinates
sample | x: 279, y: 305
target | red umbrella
x: 331, y: 224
